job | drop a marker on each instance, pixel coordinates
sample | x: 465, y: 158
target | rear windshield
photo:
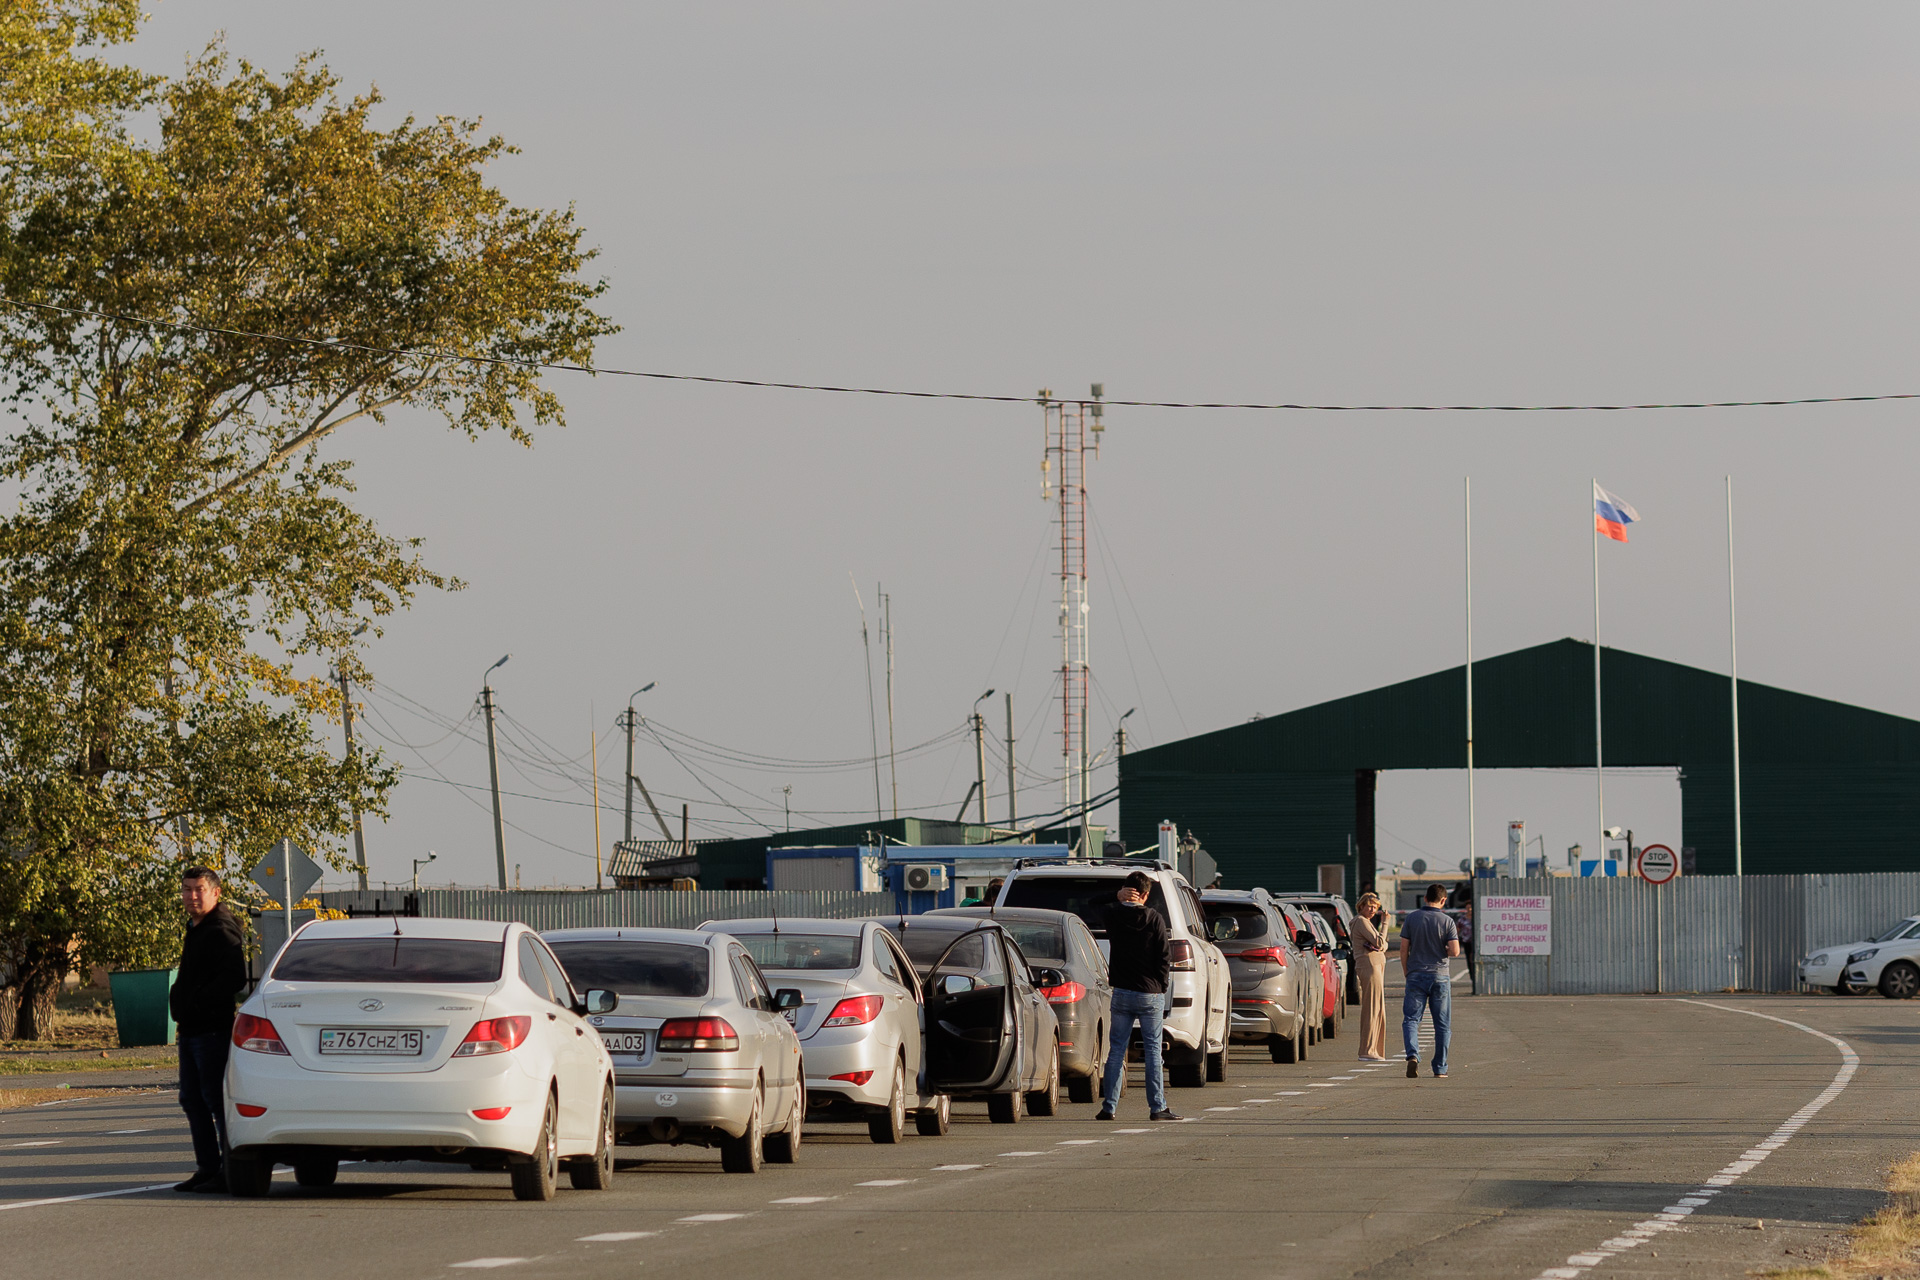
x: 1331, y: 914
x: 1250, y: 921
x: 923, y: 947
x: 802, y: 950
x: 390, y: 959
x: 1086, y: 896
x: 635, y: 967
x: 1037, y: 939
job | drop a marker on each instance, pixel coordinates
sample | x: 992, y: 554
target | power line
x: 904, y: 393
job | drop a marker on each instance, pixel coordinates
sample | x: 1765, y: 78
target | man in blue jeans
x: 1428, y: 942
x: 1139, y: 965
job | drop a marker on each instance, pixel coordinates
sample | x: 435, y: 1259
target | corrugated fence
x: 631, y: 908
x: 1699, y: 933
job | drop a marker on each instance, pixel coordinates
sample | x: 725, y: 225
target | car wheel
x: 316, y: 1170
x: 1188, y: 1075
x: 1081, y: 1089
x: 1005, y: 1108
x: 784, y: 1148
x: 888, y: 1126
x: 1046, y: 1102
x: 1306, y: 1043
x: 744, y: 1153
x: 535, y: 1174
x: 1899, y: 981
x: 934, y: 1121
x: 1330, y: 1029
x: 248, y: 1176
x: 1217, y: 1066
x: 1283, y: 1048
x: 1845, y: 988
x: 597, y: 1174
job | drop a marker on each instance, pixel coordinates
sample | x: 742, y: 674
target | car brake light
x: 700, y: 1035
x: 495, y: 1035
x: 491, y: 1113
x: 854, y: 1011
x: 249, y: 1110
x: 257, y: 1034
x: 1274, y: 954
x: 853, y: 1077
x: 1182, y: 951
x: 1068, y: 992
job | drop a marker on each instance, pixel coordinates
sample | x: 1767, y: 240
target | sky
x: 1392, y: 203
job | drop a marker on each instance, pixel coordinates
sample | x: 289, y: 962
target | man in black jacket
x: 1139, y: 965
x: 213, y: 969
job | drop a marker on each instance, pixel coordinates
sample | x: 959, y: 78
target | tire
x: 1046, y: 1102
x: 1284, y: 1048
x: 889, y: 1125
x: 249, y: 1177
x: 1331, y: 1030
x: 316, y: 1170
x: 1005, y: 1108
x: 1217, y: 1066
x: 934, y: 1121
x: 1900, y: 980
x: 784, y: 1147
x: 1081, y: 1089
x: 1187, y: 1075
x: 535, y: 1176
x: 744, y: 1153
x: 597, y: 1174
x: 1306, y: 1043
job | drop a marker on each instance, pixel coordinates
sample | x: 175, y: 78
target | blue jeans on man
x: 1147, y: 1008
x: 203, y: 1071
x: 1428, y: 990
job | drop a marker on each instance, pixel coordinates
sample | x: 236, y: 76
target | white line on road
x: 1321, y: 1084
x: 1293, y: 1093
x: 91, y: 1195
x: 615, y: 1237
x: 803, y: 1200
x: 1133, y: 1131
x: 886, y: 1182
x: 49, y: 1142
x: 1023, y: 1153
x: 1226, y: 1108
x: 710, y: 1217
x: 956, y: 1168
x: 488, y: 1262
x: 114, y: 1133
x: 1675, y: 1215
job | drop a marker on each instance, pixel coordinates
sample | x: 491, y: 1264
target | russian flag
x: 1611, y: 515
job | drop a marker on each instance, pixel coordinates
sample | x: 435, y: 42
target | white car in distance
x: 1890, y: 962
x: 456, y: 1041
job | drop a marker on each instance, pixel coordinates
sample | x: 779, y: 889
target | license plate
x: 789, y: 1015
x: 397, y: 1042
x: 634, y: 1042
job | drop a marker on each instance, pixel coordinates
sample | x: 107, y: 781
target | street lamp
x: 1120, y: 730
x: 979, y: 757
x: 626, y: 787
x: 419, y: 863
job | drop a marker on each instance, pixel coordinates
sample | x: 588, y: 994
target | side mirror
x: 1049, y: 978
x: 787, y: 998
x: 953, y: 984
x: 1305, y: 940
x: 601, y: 1001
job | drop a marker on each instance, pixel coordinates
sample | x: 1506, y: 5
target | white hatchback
x: 1890, y: 962
x: 456, y: 1041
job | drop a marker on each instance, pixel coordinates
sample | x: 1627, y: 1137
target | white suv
x: 1195, y: 1031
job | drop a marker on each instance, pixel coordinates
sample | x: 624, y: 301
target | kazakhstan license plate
x: 634, y: 1042
x: 391, y: 1042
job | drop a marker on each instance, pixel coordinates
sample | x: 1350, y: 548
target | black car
x: 1083, y: 1004
x: 989, y: 1032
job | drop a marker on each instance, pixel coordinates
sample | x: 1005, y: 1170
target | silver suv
x: 1195, y: 1031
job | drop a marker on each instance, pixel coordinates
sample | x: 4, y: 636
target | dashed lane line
x: 488, y: 1263
x: 91, y: 1195
x: 615, y: 1237
x: 710, y: 1217
x: 956, y: 1168
x: 803, y: 1199
x: 886, y: 1182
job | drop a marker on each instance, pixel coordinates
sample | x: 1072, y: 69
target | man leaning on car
x: 213, y: 969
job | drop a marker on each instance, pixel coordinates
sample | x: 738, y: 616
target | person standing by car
x: 988, y: 897
x: 213, y: 969
x: 1369, y: 932
x: 1428, y: 942
x: 1139, y: 965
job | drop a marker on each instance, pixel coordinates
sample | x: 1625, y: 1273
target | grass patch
x: 49, y: 1065
x: 14, y: 1098
x: 1881, y: 1245
x: 77, y: 1024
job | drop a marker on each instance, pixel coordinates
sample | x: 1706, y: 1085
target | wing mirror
x: 787, y: 998
x: 1305, y: 940
x: 600, y: 1002
x: 954, y: 984
x: 1049, y: 978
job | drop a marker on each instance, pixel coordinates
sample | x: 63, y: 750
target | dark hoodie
x: 1138, y: 957
x: 213, y: 969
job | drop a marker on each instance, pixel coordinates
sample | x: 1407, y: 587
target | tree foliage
x: 183, y: 323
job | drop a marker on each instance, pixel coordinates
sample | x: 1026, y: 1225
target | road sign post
x: 287, y: 873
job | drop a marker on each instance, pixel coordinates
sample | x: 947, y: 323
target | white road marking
x: 1674, y: 1216
x: 1226, y: 1108
x: 1023, y: 1153
x: 489, y: 1262
x: 1321, y: 1084
x: 91, y: 1195
x: 111, y: 1133
x: 615, y: 1237
x: 49, y: 1142
x: 1251, y: 1101
x: 1080, y: 1142
x: 887, y: 1182
x: 1293, y: 1093
x: 956, y: 1168
x: 803, y: 1200
x: 710, y: 1217
x: 1343, y: 1077
x: 1133, y: 1131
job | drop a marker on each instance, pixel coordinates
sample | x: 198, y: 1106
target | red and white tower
x: 1070, y: 428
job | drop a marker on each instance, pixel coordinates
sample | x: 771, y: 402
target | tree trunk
x: 42, y: 970
x: 9, y: 1006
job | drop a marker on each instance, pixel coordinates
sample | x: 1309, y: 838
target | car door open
x: 972, y: 1041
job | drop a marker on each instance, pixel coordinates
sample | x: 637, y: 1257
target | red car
x: 1310, y: 931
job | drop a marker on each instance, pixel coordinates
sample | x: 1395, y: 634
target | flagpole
x: 1733, y: 653
x: 1473, y: 862
x: 1599, y: 769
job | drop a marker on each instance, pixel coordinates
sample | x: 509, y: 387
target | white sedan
x: 1890, y: 962
x: 458, y: 1041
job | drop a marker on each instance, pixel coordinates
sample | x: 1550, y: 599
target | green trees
x: 184, y: 322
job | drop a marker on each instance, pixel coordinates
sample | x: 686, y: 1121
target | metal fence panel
x: 1618, y: 935
x: 631, y: 908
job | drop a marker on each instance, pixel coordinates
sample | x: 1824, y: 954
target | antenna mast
x: 1063, y: 480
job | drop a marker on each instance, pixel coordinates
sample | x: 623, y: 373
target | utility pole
x: 886, y: 627
x: 493, y: 772
x: 593, y: 746
x: 628, y: 721
x: 346, y: 718
x: 873, y: 734
x: 980, y: 752
x: 686, y: 846
x: 1013, y: 787
x: 786, y: 804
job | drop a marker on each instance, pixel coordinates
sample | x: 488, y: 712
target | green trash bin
x: 140, y: 1011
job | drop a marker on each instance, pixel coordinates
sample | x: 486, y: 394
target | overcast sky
x: 1509, y: 203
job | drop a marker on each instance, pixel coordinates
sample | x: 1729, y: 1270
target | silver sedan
x: 701, y: 1051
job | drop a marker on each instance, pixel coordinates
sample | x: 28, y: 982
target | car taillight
x: 1182, y: 955
x: 700, y: 1035
x: 854, y: 1011
x: 495, y: 1035
x: 491, y: 1113
x: 257, y: 1034
x: 853, y: 1077
x: 1068, y: 992
x: 249, y: 1110
x: 1274, y: 954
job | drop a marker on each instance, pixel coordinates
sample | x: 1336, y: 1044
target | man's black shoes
x: 202, y: 1180
x: 1413, y: 1068
x: 1167, y: 1114
x: 1103, y: 1114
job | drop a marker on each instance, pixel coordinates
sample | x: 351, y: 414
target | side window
x: 993, y: 969
x: 908, y: 977
x: 883, y: 958
x: 532, y: 972
x: 753, y: 989
x: 556, y: 975
x: 1022, y: 969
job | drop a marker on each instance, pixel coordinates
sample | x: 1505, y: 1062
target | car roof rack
x: 1144, y: 863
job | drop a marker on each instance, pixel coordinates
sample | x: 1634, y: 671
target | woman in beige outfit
x: 1370, y: 966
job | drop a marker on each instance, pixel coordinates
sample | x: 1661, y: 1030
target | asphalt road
x: 1567, y: 1126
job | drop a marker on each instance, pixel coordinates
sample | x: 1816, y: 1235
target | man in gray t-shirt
x: 1428, y: 941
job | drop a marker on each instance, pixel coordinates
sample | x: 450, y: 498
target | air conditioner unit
x: 924, y: 877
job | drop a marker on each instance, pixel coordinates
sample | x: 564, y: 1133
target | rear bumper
x: 826, y: 1056
x: 721, y: 1100
x: 1258, y: 1021
x: 342, y: 1109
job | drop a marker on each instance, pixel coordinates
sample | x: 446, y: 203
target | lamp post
x: 980, y: 753
x: 493, y: 771
x: 633, y: 779
x: 786, y: 804
x: 419, y: 863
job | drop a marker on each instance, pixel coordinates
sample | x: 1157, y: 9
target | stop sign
x: 1657, y: 864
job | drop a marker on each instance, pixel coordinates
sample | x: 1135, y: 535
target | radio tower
x: 1063, y: 475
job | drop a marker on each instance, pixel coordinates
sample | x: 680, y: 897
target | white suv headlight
x: 1858, y: 956
x: 1814, y: 962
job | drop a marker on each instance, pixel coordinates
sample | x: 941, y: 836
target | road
x: 1564, y: 1123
